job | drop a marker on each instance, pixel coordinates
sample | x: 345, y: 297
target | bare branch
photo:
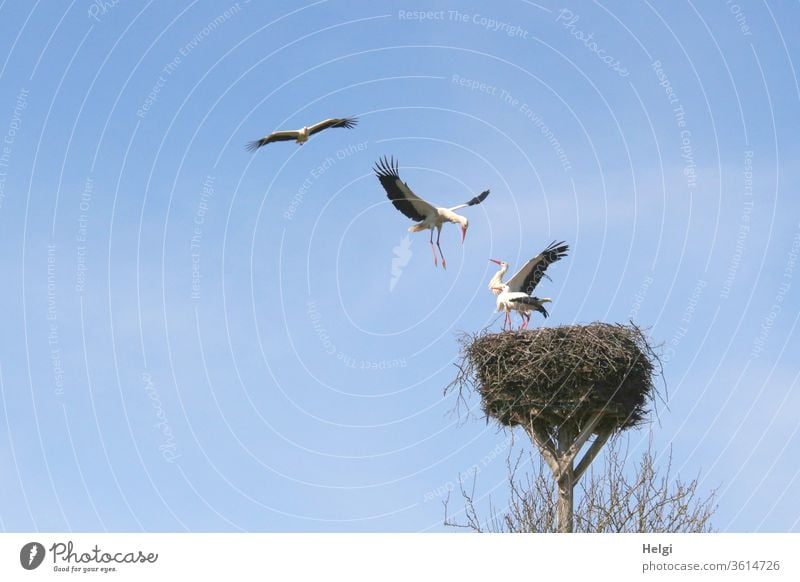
x: 619, y: 496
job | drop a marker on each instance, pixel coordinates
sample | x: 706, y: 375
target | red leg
x: 435, y: 259
x: 438, y: 234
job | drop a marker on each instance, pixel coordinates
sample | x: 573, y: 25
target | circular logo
x: 31, y: 555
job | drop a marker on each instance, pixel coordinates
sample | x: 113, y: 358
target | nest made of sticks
x: 549, y: 377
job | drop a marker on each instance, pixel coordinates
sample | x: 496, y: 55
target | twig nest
x: 567, y: 374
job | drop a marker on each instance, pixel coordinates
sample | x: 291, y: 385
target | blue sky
x: 199, y: 338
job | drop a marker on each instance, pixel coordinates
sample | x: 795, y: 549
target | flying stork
x: 428, y: 216
x: 515, y: 294
x: 301, y: 135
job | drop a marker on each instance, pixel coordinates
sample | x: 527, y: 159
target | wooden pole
x: 566, y: 485
x: 591, y: 453
x: 560, y: 452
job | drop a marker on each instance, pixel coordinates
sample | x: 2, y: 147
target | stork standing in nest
x: 300, y: 136
x: 515, y: 294
x: 428, y: 216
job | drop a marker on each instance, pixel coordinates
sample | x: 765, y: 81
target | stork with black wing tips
x: 515, y: 294
x: 428, y: 216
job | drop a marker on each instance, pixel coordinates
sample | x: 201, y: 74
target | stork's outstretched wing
x: 526, y: 279
x: 399, y: 193
x: 477, y: 200
x: 346, y: 122
x: 274, y: 136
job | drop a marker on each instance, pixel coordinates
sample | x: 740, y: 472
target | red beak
x: 497, y: 288
x: 463, y: 234
x: 496, y: 261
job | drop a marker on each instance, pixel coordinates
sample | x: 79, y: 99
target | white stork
x: 515, y: 294
x: 428, y: 216
x: 301, y: 135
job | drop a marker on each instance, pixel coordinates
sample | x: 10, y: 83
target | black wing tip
x: 559, y: 248
x: 534, y: 302
x: 252, y: 146
x: 479, y: 198
x: 346, y: 122
x: 386, y: 167
x: 539, y: 306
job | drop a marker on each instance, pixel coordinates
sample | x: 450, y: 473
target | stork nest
x: 548, y: 377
